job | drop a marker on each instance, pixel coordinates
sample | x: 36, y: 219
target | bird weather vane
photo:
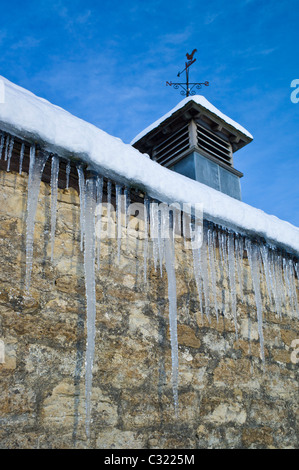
x: 187, y: 87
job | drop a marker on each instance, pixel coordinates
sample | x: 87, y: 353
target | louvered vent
x: 172, y: 146
x: 214, y: 145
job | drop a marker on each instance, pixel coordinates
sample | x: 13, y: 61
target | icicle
x: 232, y: 277
x: 145, y: 241
x: 282, y: 285
x: 223, y: 263
x: 214, y: 242
x: 265, y: 257
x: 154, y: 231
x: 35, y: 174
x: 293, y: 284
x: 223, y: 251
x: 127, y: 214
x: 205, y: 274
x: 197, y: 273
x: 213, y: 269
x: 1, y: 144
x: 186, y: 223
x: 253, y: 258
x: 172, y: 297
x: 6, y: 154
x: 277, y: 264
x: 82, y: 202
x: 109, y: 188
x: 67, y: 171
x: 125, y: 208
x: 9, y: 153
x: 287, y: 280
x: 89, y: 268
x: 54, y: 193
x: 239, y: 249
x: 177, y: 222
x: 273, y: 281
x: 99, y: 185
x: 291, y: 276
x: 21, y: 158
x: 160, y: 244
x: 290, y: 282
x: 6, y: 148
x: 222, y: 238
x: 118, y: 219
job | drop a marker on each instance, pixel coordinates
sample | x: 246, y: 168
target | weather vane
x: 187, y: 87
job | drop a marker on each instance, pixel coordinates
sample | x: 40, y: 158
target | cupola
x: 198, y: 141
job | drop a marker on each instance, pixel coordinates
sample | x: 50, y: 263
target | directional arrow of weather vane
x: 187, y: 87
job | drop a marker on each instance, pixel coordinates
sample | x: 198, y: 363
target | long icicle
x: 172, y: 298
x: 109, y: 190
x: 196, y: 269
x: 118, y: 218
x: 54, y: 194
x: 82, y: 203
x: 223, y: 270
x: 160, y: 222
x: 232, y: 277
x: 89, y: 268
x: 239, y: 248
x: 99, y: 185
x: 127, y: 214
x: 253, y: 258
x: 205, y: 273
x: 213, y: 269
x: 154, y: 231
x: 36, y: 168
x: 145, y: 241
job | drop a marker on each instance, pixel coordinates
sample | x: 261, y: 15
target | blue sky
x: 108, y: 62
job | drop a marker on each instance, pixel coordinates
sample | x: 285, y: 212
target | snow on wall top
x: 33, y: 118
x: 202, y: 101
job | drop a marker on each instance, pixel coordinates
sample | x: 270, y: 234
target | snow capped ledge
x: 35, y: 119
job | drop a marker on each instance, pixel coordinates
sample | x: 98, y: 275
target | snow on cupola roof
x: 203, y: 105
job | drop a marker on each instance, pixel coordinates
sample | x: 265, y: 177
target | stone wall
x: 227, y: 398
